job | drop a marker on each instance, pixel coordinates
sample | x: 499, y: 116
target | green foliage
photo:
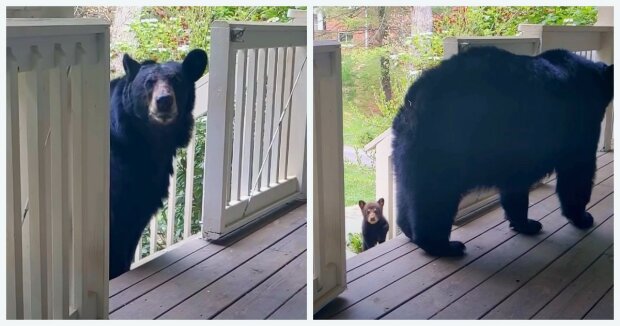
x: 359, y: 183
x: 355, y: 242
x: 169, y: 33
x: 367, y: 113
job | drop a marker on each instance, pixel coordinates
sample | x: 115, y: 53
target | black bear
x: 374, y: 226
x: 489, y: 118
x: 150, y: 118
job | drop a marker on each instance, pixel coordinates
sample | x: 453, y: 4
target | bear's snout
x: 164, y: 103
x: 163, y: 107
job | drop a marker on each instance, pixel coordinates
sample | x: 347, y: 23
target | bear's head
x: 372, y: 212
x: 162, y: 94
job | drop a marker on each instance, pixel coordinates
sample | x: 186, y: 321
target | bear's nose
x: 164, y: 102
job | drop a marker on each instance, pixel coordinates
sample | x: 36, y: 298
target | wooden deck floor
x: 261, y: 275
x: 561, y: 273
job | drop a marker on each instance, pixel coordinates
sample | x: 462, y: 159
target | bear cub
x: 150, y: 118
x: 487, y: 118
x: 375, y: 226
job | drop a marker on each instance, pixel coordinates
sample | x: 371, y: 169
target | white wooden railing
x: 256, y: 127
x: 327, y: 175
x: 57, y: 168
x: 161, y: 243
x: 595, y: 42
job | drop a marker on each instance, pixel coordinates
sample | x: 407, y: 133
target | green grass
x: 359, y: 183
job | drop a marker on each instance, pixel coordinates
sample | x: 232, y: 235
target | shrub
x: 355, y: 242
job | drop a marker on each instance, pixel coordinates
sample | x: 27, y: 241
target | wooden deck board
x: 294, y: 308
x: 222, y: 293
x: 576, y: 300
x: 604, y: 309
x: 266, y: 298
x: 221, y: 273
x: 396, y: 280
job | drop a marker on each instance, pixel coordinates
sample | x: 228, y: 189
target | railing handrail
x: 47, y: 27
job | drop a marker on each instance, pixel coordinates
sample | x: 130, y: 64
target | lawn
x: 359, y: 183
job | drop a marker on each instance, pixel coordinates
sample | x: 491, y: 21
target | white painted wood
x: 218, y: 153
x: 272, y: 58
x: 259, y: 121
x: 514, y: 44
x: 170, y: 212
x: 572, y: 38
x: 29, y: 106
x: 239, y: 110
x: 328, y: 175
x: 277, y: 112
x: 14, y: 281
x: 247, y: 147
x: 63, y: 163
x: 202, y: 96
x: 96, y: 150
x: 296, y: 163
x: 189, y: 187
x: 75, y: 165
x: 250, y: 35
x: 60, y: 222
x: 153, y: 235
x: 138, y: 254
x: 286, y: 113
x: 258, y: 144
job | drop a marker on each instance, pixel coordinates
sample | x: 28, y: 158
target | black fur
x: 375, y: 226
x: 489, y: 118
x: 141, y: 150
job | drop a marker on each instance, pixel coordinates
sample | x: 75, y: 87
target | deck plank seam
x: 167, y: 279
x: 161, y: 269
x: 591, y: 204
x: 415, y: 247
x: 285, y: 301
x: 257, y: 285
x: 548, y: 182
x: 546, y: 265
x: 573, y: 280
x: 516, y: 258
x: 222, y: 248
x: 611, y: 289
x: 224, y: 274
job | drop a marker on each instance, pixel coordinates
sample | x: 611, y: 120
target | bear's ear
x: 131, y: 66
x: 380, y: 202
x: 195, y: 64
x: 362, y: 204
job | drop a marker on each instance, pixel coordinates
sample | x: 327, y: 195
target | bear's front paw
x: 530, y: 227
x: 584, y: 221
x: 450, y: 249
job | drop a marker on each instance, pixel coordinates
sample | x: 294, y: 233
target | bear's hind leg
x: 574, y: 187
x: 516, y: 204
x: 433, y: 214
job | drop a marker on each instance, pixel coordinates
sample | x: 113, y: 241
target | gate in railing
x: 57, y: 168
x: 256, y: 126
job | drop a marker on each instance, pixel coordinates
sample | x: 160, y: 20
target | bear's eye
x: 149, y: 82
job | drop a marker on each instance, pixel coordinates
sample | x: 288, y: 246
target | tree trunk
x: 421, y: 20
x: 384, y: 60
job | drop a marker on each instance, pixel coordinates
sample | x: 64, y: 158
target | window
x: 345, y: 37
